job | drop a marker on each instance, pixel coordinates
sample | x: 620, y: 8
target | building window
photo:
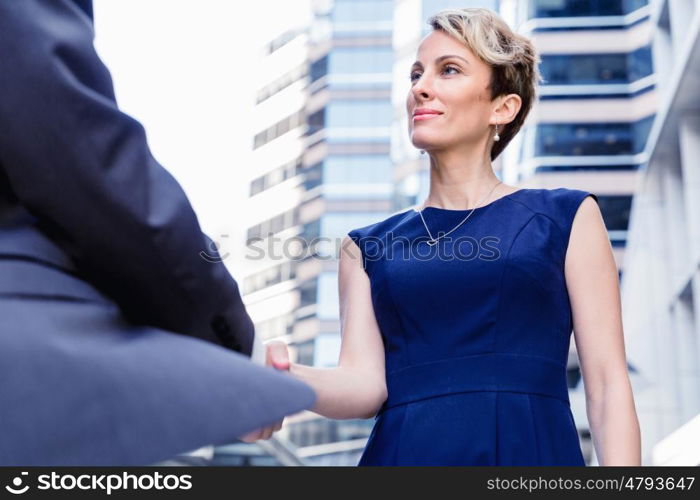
x: 319, y: 68
x: 616, y: 211
x: 308, y: 292
x: 589, y: 168
x: 268, y: 277
x: 327, y: 348
x: 305, y: 352
x: 274, y: 177
x: 561, y: 139
x: 282, y: 40
x: 337, y: 225
x: 278, y: 223
x: 353, y: 60
x: 587, y: 69
x: 313, y: 176
x: 312, y: 230
x: 324, y: 430
x: 281, y: 83
x: 362, y: 11
x: 274, y: 327
x: 578, y: 8
x: 358, y: 176
x: 359, y: 113
x: 316, y: 121
x: 278, y: 129
x: 357, y: 169
x: 327, y: 296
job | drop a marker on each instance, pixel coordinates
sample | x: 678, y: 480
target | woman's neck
x: 458, y: 183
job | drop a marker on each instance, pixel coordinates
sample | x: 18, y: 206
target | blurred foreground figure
x: 123, y: 338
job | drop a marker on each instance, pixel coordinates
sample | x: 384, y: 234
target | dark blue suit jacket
x: 119, y: 343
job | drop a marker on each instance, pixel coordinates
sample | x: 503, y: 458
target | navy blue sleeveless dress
x: 476, y: 332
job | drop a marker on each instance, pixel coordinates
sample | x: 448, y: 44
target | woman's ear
x: 514, y: 104
x: 508, y: 109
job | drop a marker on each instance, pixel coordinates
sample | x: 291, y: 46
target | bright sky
x: 186, y: 71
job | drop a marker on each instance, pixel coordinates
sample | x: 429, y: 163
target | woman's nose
x: 421, y: 89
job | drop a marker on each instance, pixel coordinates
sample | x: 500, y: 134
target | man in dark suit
x: 121, y: 341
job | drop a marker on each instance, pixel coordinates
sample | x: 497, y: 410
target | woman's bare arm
x: 592, y: 281
x: 356, y: 388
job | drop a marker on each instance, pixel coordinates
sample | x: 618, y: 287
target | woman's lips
x: 425, y: 116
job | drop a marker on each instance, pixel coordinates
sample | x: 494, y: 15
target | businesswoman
x: 456, y: 315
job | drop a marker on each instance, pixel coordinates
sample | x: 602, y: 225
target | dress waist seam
x: 507, y: 372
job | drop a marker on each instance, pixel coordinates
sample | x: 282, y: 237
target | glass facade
x: 275, y: 327
x: 336, y: 225
x: 359, y: 113
x: 275, y: 224
x: 587, y: 69
x: 579, y: 8
x: 278, y: 129
x: 319, y: 68
x: 362, y: 11
x: 327, y: 307
x: 276, y: 176
x: 268, y: 277
x: 412, y: 189
x: 343, y: 175
x: 281, y: 83
x: 357, y: 177
x: 352, y: 60
x: 584, y: 168
x: 357, y: 169
x: 559, y: 139
x: 328, y: 431
x: 316, y: 121
x: 616, y: 211
x: 327, y: 347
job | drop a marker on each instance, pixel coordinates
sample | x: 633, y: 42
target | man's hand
x: 277, y: 356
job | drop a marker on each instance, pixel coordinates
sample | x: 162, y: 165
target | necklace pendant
x: 432, y: 242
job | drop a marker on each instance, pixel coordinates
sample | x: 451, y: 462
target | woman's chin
x: 420, y: 141
x: 424, y: 145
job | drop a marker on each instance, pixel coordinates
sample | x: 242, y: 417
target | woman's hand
x: 277, y: 356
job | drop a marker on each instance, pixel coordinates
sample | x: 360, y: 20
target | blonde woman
x: 457, y: 315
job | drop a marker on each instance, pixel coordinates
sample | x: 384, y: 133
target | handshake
x: 277, y: 356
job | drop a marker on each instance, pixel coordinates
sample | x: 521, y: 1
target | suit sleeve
x: 84, y: 169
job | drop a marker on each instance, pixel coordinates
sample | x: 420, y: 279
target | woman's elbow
x: 375, y: 402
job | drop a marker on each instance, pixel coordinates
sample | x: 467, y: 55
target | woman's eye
x: 415, y: 74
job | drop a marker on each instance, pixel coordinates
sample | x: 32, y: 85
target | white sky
x: 186, y: 70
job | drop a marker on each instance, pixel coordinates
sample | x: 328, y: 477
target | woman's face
x: 448, y: 83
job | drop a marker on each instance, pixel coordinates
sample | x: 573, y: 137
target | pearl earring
x: 496, y: 137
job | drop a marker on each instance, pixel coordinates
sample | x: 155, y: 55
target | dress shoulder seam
x: 561, y: 230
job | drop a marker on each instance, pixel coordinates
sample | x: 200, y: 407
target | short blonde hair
x: 512, y: 57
